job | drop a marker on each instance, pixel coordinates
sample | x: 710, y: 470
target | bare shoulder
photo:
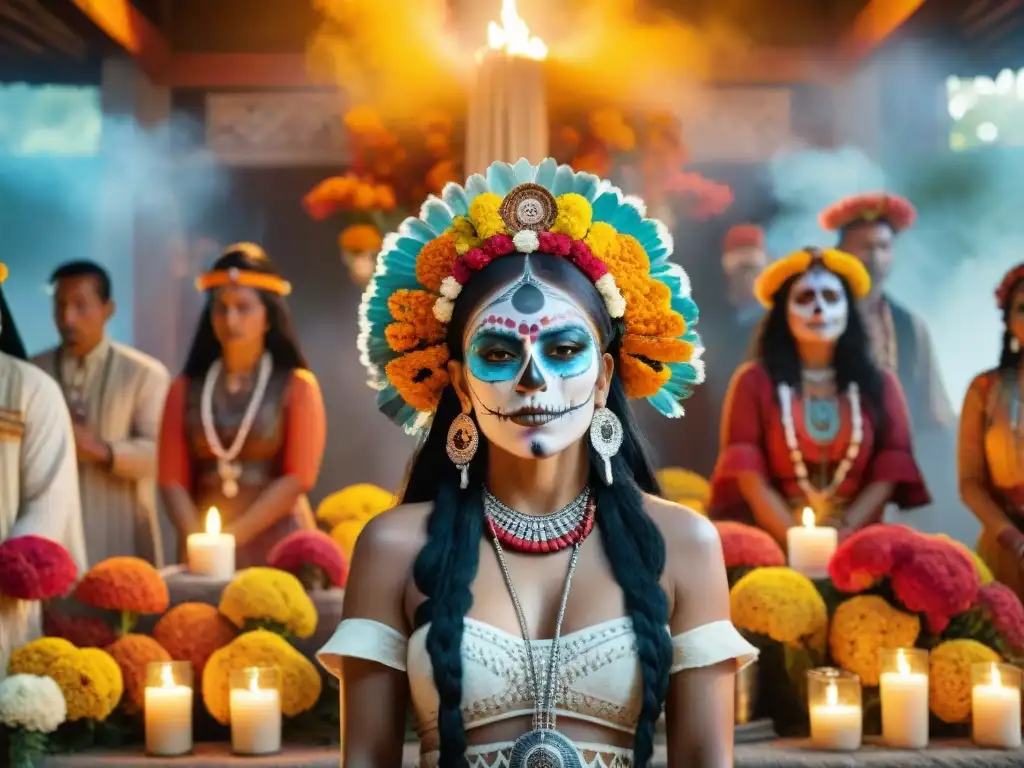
x: 396, y: 535
x: 687, y: 533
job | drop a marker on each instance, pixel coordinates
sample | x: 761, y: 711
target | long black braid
x: 447, y: 565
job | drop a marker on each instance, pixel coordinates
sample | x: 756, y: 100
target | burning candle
x: 904, y: 692
x: 168, y: 708
x: 508, y: 113
x: 995, y: 705
x: 212, y: 553
x: 834, y: 702
x: 811, y: 548
x: 255, y: 705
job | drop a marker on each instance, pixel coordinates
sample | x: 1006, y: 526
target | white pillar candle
x: 255, y: 718
x: 904, y: 697
x: 810, y: 548
x: 836, y: 726
x: 211, y: 553
x: 995, y: 711
x: 508, y: 115
x: 168, y: 716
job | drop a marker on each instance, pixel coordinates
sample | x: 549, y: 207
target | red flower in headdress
x: 897, y: 211
x: 1009, y: 283
x: 743, y: 236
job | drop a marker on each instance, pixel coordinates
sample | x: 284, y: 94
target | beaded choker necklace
x: 535, y: 534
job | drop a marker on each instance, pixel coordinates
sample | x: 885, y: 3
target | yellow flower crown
x: 839, y: 262
x: 524, y: 208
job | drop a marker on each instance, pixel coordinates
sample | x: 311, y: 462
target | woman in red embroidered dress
x: 243, y: 426
x: 813, y: 422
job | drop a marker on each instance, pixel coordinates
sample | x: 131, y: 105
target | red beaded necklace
x: 551, y: 533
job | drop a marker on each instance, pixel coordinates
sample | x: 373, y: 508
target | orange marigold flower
x: 133, y: 653
x: 435, y: 262
x: 364, y: 197
x: 384, y: 198
x: 640, y: 379
x: 441, y: 174
x: 414, y: 311
x: 662, y: 350
x: 420, y: 376
x: 126, y: 584
x: 437, y: 144
x: 329, y: 196
x: 192, y: 632
x: 359, y: 238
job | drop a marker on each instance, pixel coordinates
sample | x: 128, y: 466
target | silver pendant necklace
x: 543, y: 746
x: 229, y: 470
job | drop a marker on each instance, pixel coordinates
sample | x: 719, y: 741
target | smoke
x: 407, y: 55
x: 80, y: 184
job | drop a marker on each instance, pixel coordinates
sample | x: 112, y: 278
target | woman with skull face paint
x: 512, y: 321
x: 813, y: 422
x: 991, y: 445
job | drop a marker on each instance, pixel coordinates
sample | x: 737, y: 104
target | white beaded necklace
x: 796, y: 455
x: 228, y: 469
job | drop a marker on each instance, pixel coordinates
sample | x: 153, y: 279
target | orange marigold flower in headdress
x: 420, y: 376
x: 126, y: 584
x: 414, y: 320
x: 1010, y: 282
x: 133, y: 653
x: 896, y: 211
x: 435, y: 262
x: 192, y: 632
x: 848, y: 267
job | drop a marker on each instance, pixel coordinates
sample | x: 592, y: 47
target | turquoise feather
x: 455, y: 197
x: 436, y: 215
x: 501, y: 178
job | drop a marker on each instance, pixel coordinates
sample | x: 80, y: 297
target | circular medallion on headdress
x: 529, y: 206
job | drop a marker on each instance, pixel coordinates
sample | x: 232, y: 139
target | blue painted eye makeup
x: 567, y: 351
x: 495, y: 355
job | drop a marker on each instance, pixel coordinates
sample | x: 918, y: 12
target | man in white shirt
x: 116, y: 396
x: 38, y: 473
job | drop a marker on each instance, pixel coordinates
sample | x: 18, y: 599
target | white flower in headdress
x: 526, y: 241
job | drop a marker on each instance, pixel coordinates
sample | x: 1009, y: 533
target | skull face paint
x: 818, y: 309
x: 532, y: 361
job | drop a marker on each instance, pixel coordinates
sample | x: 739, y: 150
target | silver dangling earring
x: 463, y: 440
x: 606, y: 437
x: 1015, y: 345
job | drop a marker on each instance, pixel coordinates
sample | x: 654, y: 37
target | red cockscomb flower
x: 126, y: 584
x: 301, y: 551
x: 1003, y: 608
x: 939, y: 580
x: 745, y: 546
x: 35, y: 568
x: 80, y: 631
x: 897, y: 211
x: 869, y: 555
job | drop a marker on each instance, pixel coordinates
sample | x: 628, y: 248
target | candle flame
x: 254, y: 678
x: 213, y: 520
x: 902, y: 665
x: 997, y: 681
x: 808, y: 517
x: 166, y: 677
x: 831, y: 694
x: 513, y: 36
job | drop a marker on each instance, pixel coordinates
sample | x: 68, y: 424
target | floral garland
x: 797, y: 456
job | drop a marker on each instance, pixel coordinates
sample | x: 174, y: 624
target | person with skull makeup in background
x: 512, y: 321
x: 813, y: 421
x: 991, y: 459
x: 38, y: 473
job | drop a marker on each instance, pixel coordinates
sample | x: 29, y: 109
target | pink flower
x: 1004, y: 610
x: 461, y: 271
x: 476, y: 259
x: 35, y: 568
x: 498, y: 245
x: 555, y: 243
x: 939, y: 580
x: 309, y: 549
x: 870, y: 555
x: 583, y: 257
x: 745, y: 546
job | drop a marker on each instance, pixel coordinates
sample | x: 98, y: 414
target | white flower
x: 443, y: 309
x: 450, y: 288
x: 32, y: 703
x: 526, y: 241
x: 609, y: 291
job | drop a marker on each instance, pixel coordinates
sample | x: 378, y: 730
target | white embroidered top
x: 600, y: 680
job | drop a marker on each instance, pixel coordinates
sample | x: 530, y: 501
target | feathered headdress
x: 525, y: 208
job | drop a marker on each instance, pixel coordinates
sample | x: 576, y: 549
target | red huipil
x: 753, y: 440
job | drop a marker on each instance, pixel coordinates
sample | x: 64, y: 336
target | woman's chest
x: 821, y: 428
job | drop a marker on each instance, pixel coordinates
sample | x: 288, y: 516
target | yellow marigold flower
x: 781, y: 604
x: 269, y: 596
x: 603, y: 241
x: 465, y: 235
x: 574, y: 216
x: 484, y: 213
x: 133, y: 654
x: 37, y: 657
x: 91, y: 682
x: 300, y: 681
x: 949, y: 678
x: 862, y: 626
x: 361, y: 501
x: 346, y: 533
x: 677, y: 483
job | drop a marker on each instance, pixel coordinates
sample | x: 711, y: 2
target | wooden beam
x: 289, y: 70
x: 129, y: 28
x: 876, y: 23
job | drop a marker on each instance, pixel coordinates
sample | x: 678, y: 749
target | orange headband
x: 260, y: 281
x: 3, y: 272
